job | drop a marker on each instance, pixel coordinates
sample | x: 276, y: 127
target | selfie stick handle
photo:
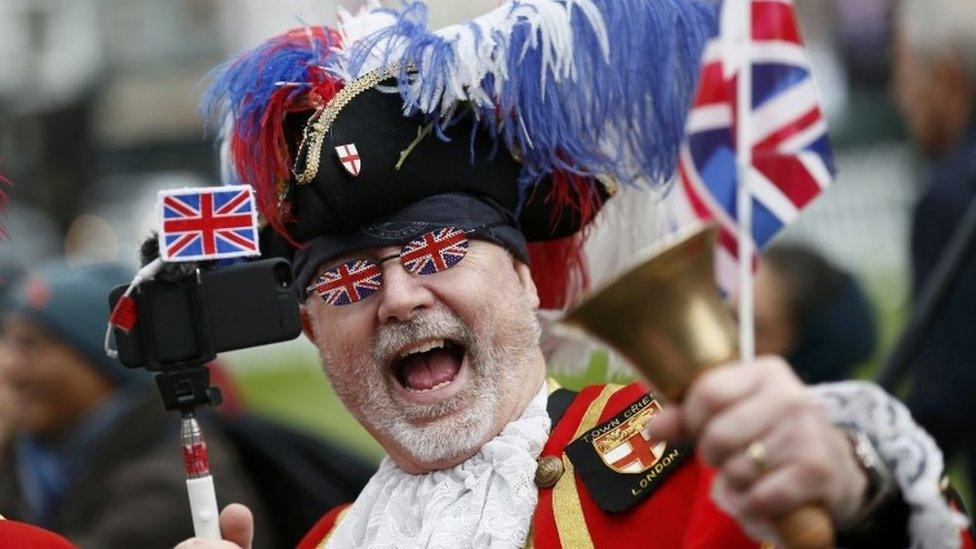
x: 199, y: 482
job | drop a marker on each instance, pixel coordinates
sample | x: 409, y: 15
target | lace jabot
x: 486, y: 501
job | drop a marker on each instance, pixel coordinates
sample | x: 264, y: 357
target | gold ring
x: 757, y: 453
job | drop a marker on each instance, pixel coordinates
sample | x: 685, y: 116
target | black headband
x: 482, y: 217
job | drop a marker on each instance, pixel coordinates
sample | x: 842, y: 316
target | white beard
x: 486, y: 501
x: 444, y: 439
x: 465, y: 421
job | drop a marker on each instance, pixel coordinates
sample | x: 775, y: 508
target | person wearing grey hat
x: 86, y: 447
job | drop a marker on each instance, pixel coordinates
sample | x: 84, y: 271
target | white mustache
x: 441, y: 324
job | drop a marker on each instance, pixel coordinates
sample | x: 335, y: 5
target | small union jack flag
x: 207, y: 223
x: 792, y: 160
x: 349, y: 157
x: 349, y: 282
x: 434, y: 251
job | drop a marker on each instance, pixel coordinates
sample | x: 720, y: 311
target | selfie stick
x: 183, y: 386
x: 199, y: 482
x: 183, y: 390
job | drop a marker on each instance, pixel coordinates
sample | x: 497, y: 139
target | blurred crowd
x: 86, y: 448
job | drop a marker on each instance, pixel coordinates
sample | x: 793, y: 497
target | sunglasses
x: 430, y: 253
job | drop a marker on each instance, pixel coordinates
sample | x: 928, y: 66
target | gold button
x: 548, y: 472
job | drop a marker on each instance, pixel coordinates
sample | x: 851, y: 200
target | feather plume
x: 249, y: 99
x: 370, y: 18
x: 559, y: 267
x: 592, y: 87
x: 577, y: 89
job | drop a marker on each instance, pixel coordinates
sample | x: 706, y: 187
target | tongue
x: 424, y: 371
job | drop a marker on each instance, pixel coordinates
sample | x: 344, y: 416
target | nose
x: 402, y: 294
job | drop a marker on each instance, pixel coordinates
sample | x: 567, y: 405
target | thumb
x: 237, y: 525
x: 668, y: 424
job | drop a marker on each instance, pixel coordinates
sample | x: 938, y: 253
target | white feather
x: 367, y: 20
x: 481, y: 47
x: 228, y: 175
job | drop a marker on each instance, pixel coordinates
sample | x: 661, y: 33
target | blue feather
x: 635, y: 64
x: 243, y: 86
x: 249, y: 99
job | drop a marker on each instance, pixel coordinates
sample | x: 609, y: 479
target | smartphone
x: 187, y: 322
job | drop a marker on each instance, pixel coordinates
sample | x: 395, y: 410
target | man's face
x: 47, y: 386
x: 434, y: 366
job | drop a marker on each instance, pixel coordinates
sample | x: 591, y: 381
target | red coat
x: 674, y: 510
x: 678, y: 513
x: 25, y: 536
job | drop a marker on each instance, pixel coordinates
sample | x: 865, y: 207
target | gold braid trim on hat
x: 315, y: 129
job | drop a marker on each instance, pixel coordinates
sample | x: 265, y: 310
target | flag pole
x: 747, y: 338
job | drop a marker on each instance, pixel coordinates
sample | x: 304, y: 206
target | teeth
x: 434, y: 388
x: 422, y: 347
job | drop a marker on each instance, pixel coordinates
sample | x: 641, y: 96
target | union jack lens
x: 430, y: 253
x: 434, y: 251
x: 349, y: 282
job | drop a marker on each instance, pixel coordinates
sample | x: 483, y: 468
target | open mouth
x: 429, y: 365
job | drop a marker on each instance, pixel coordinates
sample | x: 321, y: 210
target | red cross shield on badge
x: 349, y: 157
x: 625, y: 449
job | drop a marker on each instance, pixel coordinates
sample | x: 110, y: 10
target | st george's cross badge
x: 617, y: 463
x: 349, y: 158
x: 626, y: 449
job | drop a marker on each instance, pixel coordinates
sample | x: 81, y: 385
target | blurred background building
x: 98, y: 111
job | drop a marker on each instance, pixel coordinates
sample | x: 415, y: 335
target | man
x: 415, y: 215
x: 14, y: 533
x: 935, y: 87
x: 88, y: 450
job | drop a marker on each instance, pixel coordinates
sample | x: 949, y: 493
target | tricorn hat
x: 540, y: 108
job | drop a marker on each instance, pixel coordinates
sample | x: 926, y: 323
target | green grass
x: 285, y: 382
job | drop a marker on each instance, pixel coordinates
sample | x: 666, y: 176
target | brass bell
x: 666, y: 317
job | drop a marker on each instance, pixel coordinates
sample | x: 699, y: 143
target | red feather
x: 559, y: 266
x: 264, y: 160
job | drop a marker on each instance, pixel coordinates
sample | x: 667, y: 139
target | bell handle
x: 808, y: 527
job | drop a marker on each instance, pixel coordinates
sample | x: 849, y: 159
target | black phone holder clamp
x: 187, y: 388
x: 205, y: 351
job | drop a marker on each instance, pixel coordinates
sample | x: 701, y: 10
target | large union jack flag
x: 207, y: 223
x: 434, y: 251
x: 349, y: 282
x: 792, y: 159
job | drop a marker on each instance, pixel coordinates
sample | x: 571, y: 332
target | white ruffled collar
x: 486, y: 501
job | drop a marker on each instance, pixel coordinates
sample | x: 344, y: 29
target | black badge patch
x: 617, y: 464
